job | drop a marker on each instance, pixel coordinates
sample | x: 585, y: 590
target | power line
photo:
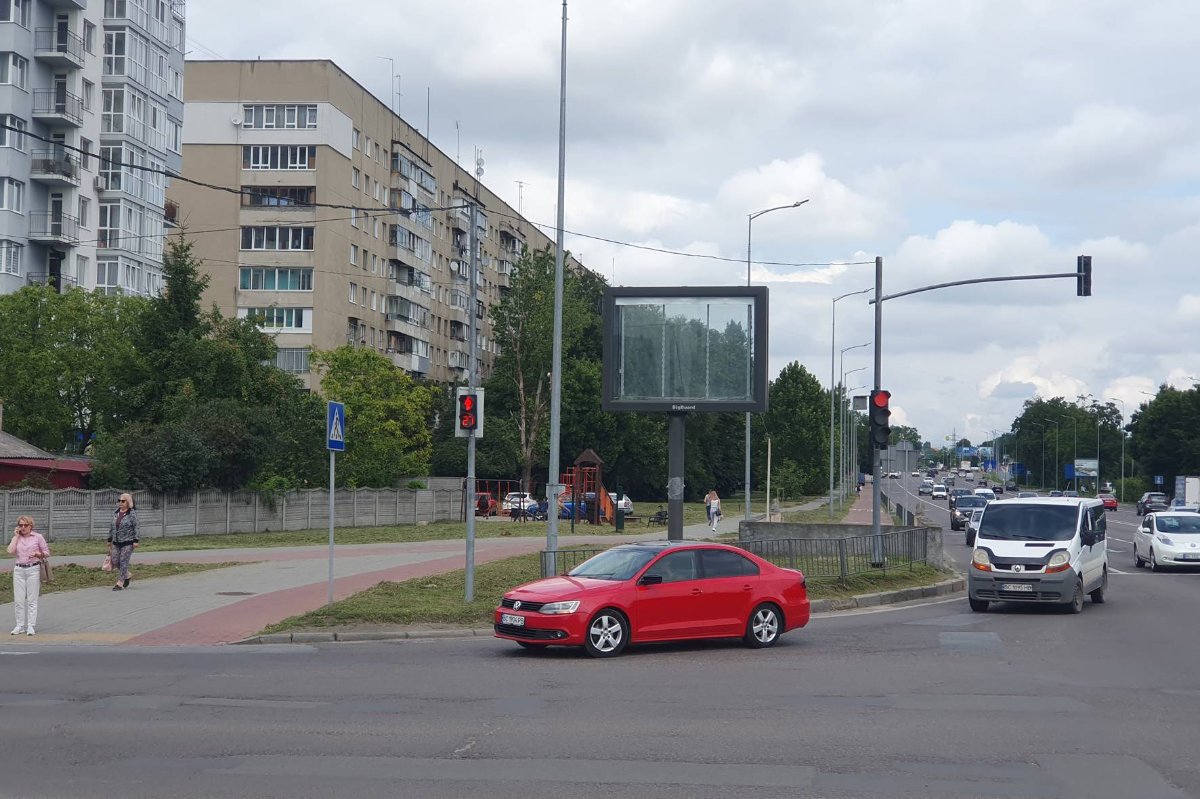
x: 407, y: 212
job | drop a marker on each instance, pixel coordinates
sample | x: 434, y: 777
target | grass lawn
x: 439, y: 601
x: 693, y: 513
x: 70, y: 576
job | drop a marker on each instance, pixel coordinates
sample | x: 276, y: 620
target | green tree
x: 799, y: 423
x: 387, y: 416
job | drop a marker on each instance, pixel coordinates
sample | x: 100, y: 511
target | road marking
x: 18, y: 653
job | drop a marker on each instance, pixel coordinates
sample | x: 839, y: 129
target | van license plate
x: 515, y: 621
x: 1016, y: 587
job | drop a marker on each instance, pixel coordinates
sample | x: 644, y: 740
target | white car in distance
x: 1167, y: 538
x: 939, y: 491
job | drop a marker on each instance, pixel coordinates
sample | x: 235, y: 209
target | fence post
x: 283, y: 506
x: 843, y: 570
x: 254, y: 524
x: 163, y: 500
x: 91, y: 513
x: 307, y: 509
x: 228, y: 500
x: 50, y: 518
x: 396, y: 516
x: 376, y: 507
x: 354, y: 509
x: 196, y: 512
x: 791, y: 553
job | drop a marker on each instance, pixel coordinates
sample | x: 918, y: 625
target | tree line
x: 168, y: 396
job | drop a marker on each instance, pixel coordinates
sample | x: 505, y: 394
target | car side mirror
x: 650, y: 579
x: 1088, y: 537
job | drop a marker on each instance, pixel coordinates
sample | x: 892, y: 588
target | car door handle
x: 747, y: 588
x: 696, y: 591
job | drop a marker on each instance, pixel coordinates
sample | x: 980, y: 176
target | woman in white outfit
x: 28, y: 547
x: 714, y: 509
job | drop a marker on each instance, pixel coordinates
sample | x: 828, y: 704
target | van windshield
x: 1029, y: 522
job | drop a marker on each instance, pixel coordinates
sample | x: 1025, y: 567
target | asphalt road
x: 928, y: 700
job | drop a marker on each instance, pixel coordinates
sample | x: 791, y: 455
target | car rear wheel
x: 607, y: 634
x: 763, y: 628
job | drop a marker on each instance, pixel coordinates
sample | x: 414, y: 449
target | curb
x: 944, y: 588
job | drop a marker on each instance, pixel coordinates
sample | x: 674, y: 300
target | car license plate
x: 1188, y: 556
x: 510, y: 619
x: 1016, y: 587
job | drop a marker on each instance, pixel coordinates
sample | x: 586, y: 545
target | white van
x: 1045, y: 550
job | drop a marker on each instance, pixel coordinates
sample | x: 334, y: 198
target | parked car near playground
x: 626, y: 504
x: 485, y: 504
x: 517, y: 500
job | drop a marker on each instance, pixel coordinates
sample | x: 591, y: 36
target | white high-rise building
x: 90, y: 90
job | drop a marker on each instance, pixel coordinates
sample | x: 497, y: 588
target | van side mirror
x: 1087, y: 537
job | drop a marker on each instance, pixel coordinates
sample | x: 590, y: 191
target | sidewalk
x: 860, y: 511
x: 270, y: 584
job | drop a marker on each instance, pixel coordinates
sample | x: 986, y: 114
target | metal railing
x: 832, y: 559
x: 45, y: 225
x: 52, y: 40
x: 55, y: 162
x: 54, y: 101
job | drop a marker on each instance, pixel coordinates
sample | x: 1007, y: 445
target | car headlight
x: 1162, y: 539
x: 560, y: 608
x: 1059, y: 561
x: 981, y: 561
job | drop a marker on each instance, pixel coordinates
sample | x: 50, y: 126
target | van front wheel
x: 978, y: 605
x: 1076, y: 603
x: 1098, y: 595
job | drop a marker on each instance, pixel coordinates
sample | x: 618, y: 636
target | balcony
x: 55, y: 167
x: 58, y: 48
x: 170, y: 214
x: 59, y: 282
x: 410, y: 362
x: 56, y: 106
x: 79, y: 4
x: 47, y: 227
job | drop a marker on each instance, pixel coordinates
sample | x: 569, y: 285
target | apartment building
x: 91, y: 100
x: 350, y: 226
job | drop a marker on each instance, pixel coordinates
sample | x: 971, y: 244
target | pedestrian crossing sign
x: 335, y: 427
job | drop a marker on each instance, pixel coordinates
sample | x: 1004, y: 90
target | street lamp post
x: 832, y: 392
x: 1056, y: 464
x: 749, y: 230
x: 1075, y: 445
x: 1121, y: 427
x: 842, y: 412
x: 1042, y: 474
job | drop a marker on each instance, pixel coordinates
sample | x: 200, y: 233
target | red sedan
x: 1110, y: 502
x: 658, y: 591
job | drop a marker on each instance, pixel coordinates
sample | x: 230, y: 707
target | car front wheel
x: 763, y: 628
x: 607, y: 634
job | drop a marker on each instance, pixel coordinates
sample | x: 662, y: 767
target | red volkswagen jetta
x: 658, y: 591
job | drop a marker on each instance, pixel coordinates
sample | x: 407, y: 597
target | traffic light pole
x: 876, y: 471
x: 471, y: 377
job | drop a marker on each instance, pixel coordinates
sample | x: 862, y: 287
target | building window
x: 12, y: 195
x: 354, y: 254
x: 353, y: 293
x: 108, y: 276
x: 354, y: 217
x: 270, y: 278
x: 292, y: 359
x: 279, y: 117
x: 89, y: 95
x: 10, y: 257
x: 279, y: 156
x: 355, y: 176
x: 279, y: 196
x: 81, y: 267
x: 85, y: 212
x: 12, y: 138
x: 374, y: 301
x: 374, y: 264
x: 15, y: 11
x: 354, y: 139
x: 89, y: 36
x: 275, y: 318
x: 277, y: 238
x: 14, y: 70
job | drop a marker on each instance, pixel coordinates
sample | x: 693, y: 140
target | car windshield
x: 1028, y: 522
x: 615, y: 564
x: 971, y: 502
x: 1177, y: 524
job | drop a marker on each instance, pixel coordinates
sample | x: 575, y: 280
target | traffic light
x: 881, y: 431
x: 468, y: 411
x: 1083, y: 276
x: 468, y: 421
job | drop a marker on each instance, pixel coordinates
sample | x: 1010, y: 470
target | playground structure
x: 584, y: 482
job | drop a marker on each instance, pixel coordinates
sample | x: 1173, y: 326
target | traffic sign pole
x: 335, y: 442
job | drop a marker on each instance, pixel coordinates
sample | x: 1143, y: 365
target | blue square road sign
x: 335, y: 427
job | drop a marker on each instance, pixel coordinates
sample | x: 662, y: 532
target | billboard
x: 968, y: 452
x: 1087, y: 467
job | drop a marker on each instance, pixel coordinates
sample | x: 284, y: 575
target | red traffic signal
x: 468, y: 412
x: 881, y: 431
x: 880, y: 398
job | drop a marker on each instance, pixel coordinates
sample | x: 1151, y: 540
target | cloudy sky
x: 954, y: 139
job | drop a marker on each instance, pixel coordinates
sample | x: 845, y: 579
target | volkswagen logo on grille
x: 1018, y: 568
x: 517, y: 605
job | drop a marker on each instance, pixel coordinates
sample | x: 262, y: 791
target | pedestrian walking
x: 29, y: 549
x: 123, y: 539
x: 714, y: 509
x: 708, y: 511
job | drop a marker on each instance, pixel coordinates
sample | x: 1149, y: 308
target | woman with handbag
x: 29, y: 549
x: 122, y: 539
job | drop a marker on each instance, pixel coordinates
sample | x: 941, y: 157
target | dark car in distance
x: 1152, y: 502
x: 962, y: 510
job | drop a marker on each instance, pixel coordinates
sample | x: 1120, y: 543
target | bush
x: 415, y: 484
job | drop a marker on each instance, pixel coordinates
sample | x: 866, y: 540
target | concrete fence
x: 75, y: 514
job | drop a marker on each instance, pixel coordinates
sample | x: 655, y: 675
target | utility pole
x: 471, y: 378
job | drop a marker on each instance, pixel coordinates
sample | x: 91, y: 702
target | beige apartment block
x: 350, y: 226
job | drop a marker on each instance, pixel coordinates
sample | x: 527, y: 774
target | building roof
x: 49, y: 464
x: 13, y: 447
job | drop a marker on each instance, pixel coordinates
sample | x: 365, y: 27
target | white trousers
x: 27, y: 584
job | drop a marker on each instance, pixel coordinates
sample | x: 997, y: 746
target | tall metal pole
x: 471, y: 377
x: 1056, y: 464
x: 832, y: 392
x: 876, y: 474
x: 332, y: 475
x: 749, y: 230
x: 676, y: 423
x: 552, y: 485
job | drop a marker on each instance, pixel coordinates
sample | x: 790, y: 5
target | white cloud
x: 1107, y: 143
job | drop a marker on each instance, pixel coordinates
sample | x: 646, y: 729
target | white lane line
x: 1122, y: 540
